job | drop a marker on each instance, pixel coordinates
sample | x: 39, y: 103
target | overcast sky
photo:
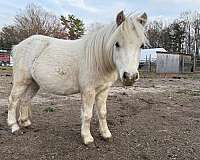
x: 102, y: 11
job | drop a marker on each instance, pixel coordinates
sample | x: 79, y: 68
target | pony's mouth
x: 128, y: 82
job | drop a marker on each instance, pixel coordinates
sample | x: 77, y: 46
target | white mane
x: 99, y: 45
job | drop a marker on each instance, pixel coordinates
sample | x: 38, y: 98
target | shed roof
x: 175, y: 53
x: 3, y: 51
x: 146, y: 53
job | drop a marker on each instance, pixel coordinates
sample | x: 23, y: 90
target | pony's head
x: 127, y: 41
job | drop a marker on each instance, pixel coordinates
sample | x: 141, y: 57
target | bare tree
x: 32, y: 20
x: 182, y: 35
x: 187, y: 18
x: 35, y: 20
x: 196, y: 26
x: 154, y: 33
x: 8, y: 37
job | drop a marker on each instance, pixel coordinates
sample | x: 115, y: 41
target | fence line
x: 148, y: 65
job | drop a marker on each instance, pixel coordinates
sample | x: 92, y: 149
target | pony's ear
x: 142, y: 19
x: 120, y: 18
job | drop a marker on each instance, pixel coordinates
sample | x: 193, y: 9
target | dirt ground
x: 156, y: 119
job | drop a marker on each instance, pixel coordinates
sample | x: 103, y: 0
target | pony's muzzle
x: 129, y: 79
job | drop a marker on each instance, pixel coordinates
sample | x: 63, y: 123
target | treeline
x: 182, y: 35
x: 36, y: 20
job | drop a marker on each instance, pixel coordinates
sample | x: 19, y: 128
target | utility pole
x: 196, y: 52
x: 197, y: 34
x: 194, y: 61
x: 189, y: 43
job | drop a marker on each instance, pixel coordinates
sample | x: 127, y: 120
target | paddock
x: 161, y: 121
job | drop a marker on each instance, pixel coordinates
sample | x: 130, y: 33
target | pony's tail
x: 14, y: 50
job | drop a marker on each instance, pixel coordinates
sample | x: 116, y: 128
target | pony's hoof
x: 15, y: 128
x: 88, y: 141
x: 26, y: 123
x: 108, y: 139
x: 106, y: 135
x: 90, y: 145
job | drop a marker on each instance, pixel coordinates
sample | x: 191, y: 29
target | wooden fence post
x: 146, y: 63
x: 150, y: 63
x: 194, y: 62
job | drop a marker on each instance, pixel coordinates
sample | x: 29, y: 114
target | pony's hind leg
x: 15, y: 98
x: 25, y: 107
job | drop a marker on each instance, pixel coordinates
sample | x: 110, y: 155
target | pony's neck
x: 99, y: 56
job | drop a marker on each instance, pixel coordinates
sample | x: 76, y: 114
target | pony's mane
x: 99, y: 46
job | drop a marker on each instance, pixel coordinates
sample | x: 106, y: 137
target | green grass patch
x: 195, y: 93
x: 189, y: 92
x: 5, y: 67
x: 49, y: 109
x: 196, y: 77
x: 6, y: 70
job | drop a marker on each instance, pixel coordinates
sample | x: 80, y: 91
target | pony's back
x: 29, y: 49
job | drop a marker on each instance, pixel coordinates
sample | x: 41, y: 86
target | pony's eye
x: 142, y: 46
x: 117, y: 44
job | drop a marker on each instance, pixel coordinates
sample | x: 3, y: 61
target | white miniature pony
x: 88, y: 66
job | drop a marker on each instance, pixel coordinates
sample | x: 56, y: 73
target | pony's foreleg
x: 88, y: 98
x: 15, y: 97
x: 101, y: 98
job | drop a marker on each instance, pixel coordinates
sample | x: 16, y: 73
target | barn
x: 160, y: 61
x: 5, y: 58
x: 150, y: 54
x: 173, y: 62
x: 148, y: 59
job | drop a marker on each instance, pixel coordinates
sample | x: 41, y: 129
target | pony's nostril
x: 136, y: 76
x: 125, y: 75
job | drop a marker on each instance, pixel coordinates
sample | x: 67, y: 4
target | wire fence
x: 196, y: 66
x: 148, y: 65
x: 185, y: 65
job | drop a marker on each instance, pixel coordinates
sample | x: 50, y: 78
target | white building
x: 150, y: 54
